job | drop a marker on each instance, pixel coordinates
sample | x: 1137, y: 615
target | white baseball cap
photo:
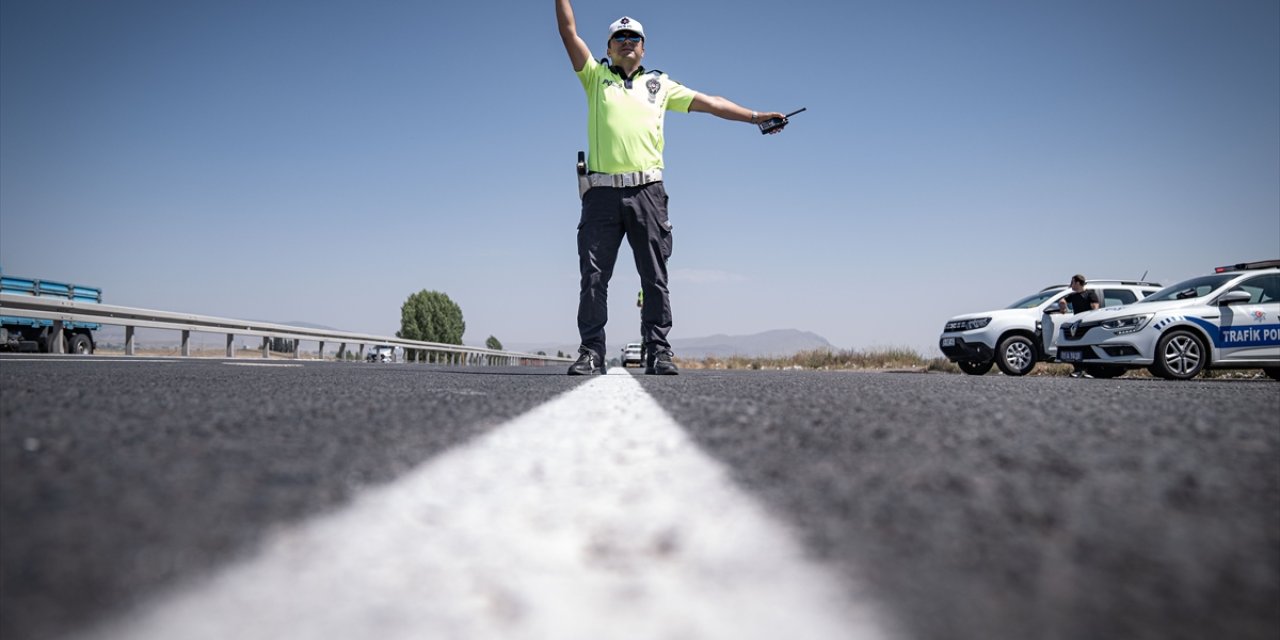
x: 626, y: 24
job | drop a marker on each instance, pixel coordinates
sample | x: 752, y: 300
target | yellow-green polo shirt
x: 624, y: 118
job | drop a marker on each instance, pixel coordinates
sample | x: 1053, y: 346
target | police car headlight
x: 1128, y: 324
x: 967, y: 325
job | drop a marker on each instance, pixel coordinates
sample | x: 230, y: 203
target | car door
x: 1050, y: 322
x: 1250, y: 331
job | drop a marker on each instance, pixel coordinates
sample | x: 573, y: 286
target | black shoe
x: 660, y: 364
x: 586, y: 365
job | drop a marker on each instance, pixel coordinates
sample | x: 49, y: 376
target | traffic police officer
x: 624, y: 195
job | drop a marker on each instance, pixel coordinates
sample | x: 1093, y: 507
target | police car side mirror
x: 1053, y: 309
x: 1232, y: 297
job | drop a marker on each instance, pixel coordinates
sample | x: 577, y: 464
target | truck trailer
x: 33, y: 334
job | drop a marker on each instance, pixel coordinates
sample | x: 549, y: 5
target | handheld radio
x: 775, y: 124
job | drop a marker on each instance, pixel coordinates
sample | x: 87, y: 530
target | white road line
x: 91, y: 359
x: 592, y: 516
x: 262, y: 364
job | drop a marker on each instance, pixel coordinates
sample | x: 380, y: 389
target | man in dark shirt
x: 1079, y: 301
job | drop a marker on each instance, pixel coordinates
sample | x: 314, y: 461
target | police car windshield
x: 1034, y: 300
x: 1193, y: 288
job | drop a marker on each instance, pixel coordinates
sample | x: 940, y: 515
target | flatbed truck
x: 34, y: 334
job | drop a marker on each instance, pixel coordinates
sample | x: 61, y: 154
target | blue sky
x: 322, y: 161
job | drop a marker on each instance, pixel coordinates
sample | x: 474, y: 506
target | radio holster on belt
x: 583, y: 182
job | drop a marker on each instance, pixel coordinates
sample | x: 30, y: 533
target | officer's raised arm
x: 727, y: 109
x: 574, y: 45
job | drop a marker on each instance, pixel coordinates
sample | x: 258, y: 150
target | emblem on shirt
x: 653, y: 86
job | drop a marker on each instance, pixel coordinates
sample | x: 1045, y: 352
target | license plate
x: 948, y: 342
x: 1066, y: 355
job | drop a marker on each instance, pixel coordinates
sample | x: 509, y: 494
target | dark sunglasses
x: 621, y: 38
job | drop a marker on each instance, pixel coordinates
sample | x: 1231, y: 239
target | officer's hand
x: 765, y: 117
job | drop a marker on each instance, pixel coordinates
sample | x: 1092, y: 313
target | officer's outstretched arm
x: 578, y: 51
x: 727, y: 109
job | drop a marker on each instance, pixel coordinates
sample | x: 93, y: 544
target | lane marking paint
x: 262, y: 364
x: 144, y: 359
x: 592, y: 516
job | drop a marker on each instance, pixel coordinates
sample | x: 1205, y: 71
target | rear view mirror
x: 1232, y: 297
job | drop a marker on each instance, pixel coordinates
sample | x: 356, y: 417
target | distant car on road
x: 382, y: 353
x: 1007, y: 337
x: 631, y: 354
x: 1228, y: 319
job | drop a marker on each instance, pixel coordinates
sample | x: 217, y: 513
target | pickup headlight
x: 967, y: 325
x: 1127, y: 324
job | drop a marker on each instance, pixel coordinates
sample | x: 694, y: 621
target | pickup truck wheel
x: 975, y: 368
x: 1016, y: 356
x: 1180, y: 355
x: 80, y: 344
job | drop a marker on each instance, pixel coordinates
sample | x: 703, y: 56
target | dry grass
x: 887, y: 359
x: 899, y: 359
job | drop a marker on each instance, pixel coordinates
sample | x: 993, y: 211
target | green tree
x: 431, y: 316
x: 493, y: 343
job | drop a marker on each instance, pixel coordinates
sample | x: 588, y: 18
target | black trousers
x: 638, y: 214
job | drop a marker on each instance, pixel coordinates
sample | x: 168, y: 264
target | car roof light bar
x: 1247, y: 266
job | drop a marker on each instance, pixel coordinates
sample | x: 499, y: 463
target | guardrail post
x: 56, y: 342
x: 342, y: 351
x: 266, y: 347
x: 231, y: 349
x: 322, y: 349
x: 362, y: 353
x: 186, y: 343
x: 128, y: 341
x: 297, y: 349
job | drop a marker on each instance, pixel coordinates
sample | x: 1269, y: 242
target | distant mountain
x: 779, y: 342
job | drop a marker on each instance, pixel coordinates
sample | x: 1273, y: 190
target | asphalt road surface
x: 205, y: 498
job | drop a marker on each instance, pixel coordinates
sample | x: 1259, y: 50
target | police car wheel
x: 1180, y: 355
x: 1016, y: 356
x: 1272, y: 372
x: 975, y: 368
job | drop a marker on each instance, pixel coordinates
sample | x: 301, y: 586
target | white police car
x: 1228, y: 319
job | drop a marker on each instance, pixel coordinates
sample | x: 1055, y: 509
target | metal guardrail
x: 61, y: 310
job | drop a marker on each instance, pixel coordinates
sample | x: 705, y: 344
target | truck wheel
x: 975, y: 368
x: 80, y: 344
x: 1104, y: 370
x: 1272, y: 372
x: 1016, y: 356
x: 1180, y: 355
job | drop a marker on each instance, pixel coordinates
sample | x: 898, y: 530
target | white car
x: 1008, y: 337
x: 1229, y: 319
x: 631, y: 354
x: 382, y: 353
